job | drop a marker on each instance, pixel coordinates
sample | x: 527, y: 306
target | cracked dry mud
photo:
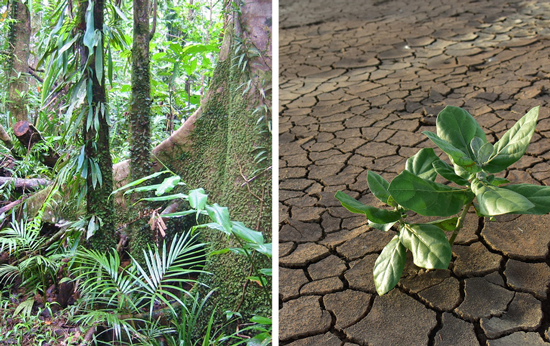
x: 359, y: 82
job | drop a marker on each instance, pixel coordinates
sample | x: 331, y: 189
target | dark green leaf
x: 447, y: 172
x: 456, y: 155
x: 426, y: 197
x: 373, y: 214
x: 514, y: 143
x: 421, y: 164
x: 429, y: 245
x: 448, y: 224
x: 494, y: 200
x: 246, y: 234
x: 458, y: 127
x: 496, y: 181
x: 538, y: 195
x: 389, y: 266
x: 378, y: 186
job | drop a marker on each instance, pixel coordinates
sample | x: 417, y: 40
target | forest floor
x: 359, y: 82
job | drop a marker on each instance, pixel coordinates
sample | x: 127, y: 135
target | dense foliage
x: 57, y: 287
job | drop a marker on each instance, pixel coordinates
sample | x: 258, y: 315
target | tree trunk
x: 96, y: 142
x: 17, y: 67
x: 140, y: 109
x: 28, y: 136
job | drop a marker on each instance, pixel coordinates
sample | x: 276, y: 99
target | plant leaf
x: 378, y: 186
x: 429, y: 245
x: 389, y: 266
x: 514, y: 143
x: 373, y: 214
x: 538, y: 195
x: 448, y: 224
x: 168, y: 185
x: 494, y: 200
x: 421, y: 164
x: 381, y: 226
x: 246, y: 234
x: 198, y: 199
x: 458, y: 127
x: 446, y: 171
x: 426, y: 197
x: 220, y: 216
x: 456, y: 155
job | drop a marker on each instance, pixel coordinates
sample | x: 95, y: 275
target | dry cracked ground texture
x: 359, y: 83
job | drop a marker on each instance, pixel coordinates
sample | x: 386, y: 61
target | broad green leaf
x: 426, y: 197
x: 514, y: 143
x: 98, y: 57
x: 421, y: 164
x: 456, y: 155
x: 198, y: 199
x: 381, y: 226
x: 496, y: 181
x: 447, y: 172
x: 538, y: 195
x: 476, y: 144
x: 484, y: 153
x: 429, y: 245
x: 261, y: 320
x: 373, y: 214
x: 168, y: 185
x: 494, y: 200
x: 378, y: 186
x: 389, y: 266
x: 88, y: 40
x: 448, y: 224
x: 220, y: 215
x: 179, y: 213
x: 265, y: 249
x: 247, y: 234
x: 458, y: 127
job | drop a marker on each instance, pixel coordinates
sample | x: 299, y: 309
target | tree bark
x: 19, y: 39
x: 140, y: 110
x: 28, y: 184
x: 96, y: 141
x: 28, y: 136
x: 5, y: 137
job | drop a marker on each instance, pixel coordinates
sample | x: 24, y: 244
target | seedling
x: 474, y: 162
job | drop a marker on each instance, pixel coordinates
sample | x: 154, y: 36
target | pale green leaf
x: 378, y: 186
x: 494, y: 200
x: 447, y: 172
x: 514, y: 143
x: 429, y: 245
x: 538, y: 195
x: 458, y: 127
x: 168, y: 185
x: 389, y: 266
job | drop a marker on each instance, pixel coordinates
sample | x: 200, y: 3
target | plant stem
x: 460, y: 222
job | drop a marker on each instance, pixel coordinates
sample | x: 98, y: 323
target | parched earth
x: 359, y: 82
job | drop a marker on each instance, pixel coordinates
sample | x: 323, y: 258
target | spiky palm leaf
x: 167, y: 268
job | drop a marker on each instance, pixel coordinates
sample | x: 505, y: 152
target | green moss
x: 225, y: 139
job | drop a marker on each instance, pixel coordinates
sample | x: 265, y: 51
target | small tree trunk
x: 96, y: 142
x: 19, y: 39
x: 140, y: 109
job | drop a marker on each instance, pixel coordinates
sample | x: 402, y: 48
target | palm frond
x: 167, y: 268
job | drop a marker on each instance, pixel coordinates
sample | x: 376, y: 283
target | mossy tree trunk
x: 96, y: 137
x: 17, y: 64
x: 140, y: 144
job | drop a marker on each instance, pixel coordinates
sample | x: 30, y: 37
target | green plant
x: 474, y: 162
x: 123, y: 298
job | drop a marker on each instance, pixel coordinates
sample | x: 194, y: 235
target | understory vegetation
x: 90, y: 260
